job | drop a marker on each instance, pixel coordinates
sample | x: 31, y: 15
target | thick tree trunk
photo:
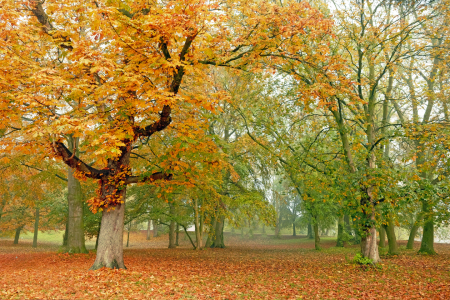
x: 148, y: 230
x: 427, y: 244
x: 316, y: 236
x: 382, y: 232
x: 110, y: 245
x: 16, y: 237
x: 340, y: 235
x: 412, y: 235
x: 392, y: 240
x: 218, y: 236
x: 36, y: 228
x: 310, y: 231
x: 369, y: 245
x: 172, y: 226
x: 75, y: 230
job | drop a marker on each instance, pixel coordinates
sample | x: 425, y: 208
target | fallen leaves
x: 259, y: 269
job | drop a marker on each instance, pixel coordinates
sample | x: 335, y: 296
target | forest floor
x: 261, y: 267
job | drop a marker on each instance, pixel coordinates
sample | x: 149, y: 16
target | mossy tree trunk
x: 316, y: 236
x: 340, y: 235
x: 392, y: 240
x: 412, y: 235
x: 148, y: 229
x: 427, y: 244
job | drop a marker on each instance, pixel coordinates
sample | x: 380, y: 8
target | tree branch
x: 153, y: 177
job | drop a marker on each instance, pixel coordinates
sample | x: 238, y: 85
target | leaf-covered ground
x: 261, y: 268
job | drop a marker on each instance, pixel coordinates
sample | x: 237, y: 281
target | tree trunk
x: 66, y: 231
x: 36, y: 228
x: 310, y: 231
x: 427, y: 244
x: 128, y: 234
x: 294, y: 233
x: 110, y: 245
x: 177, y: 235
x: 155, y: 228
x: 16, y: 237
x: 382, y: 232
x: 369, y: 245
x: 198, y: 234
x: 393, y: 247
x: 340, y: 235
x: 412, y: 235
x: 316, y: 236
x: 211, y: 233
x: 98, y: 236
x: 148, y: 230
x: 172, y: 226
x: 75, y: 227
x: 218, y: 236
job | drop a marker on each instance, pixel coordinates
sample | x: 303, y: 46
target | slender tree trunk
x: 172, y: 226
x: 340, y: 235
x: 198, y: 234
x: 128, y: 234
x: 98, y: 235
x: 382, y: 232
x: 16, y: 237
x: 263, y: 229
x: 412, y: 235
x: 316, y: 236
x: 36, y: 228
x: 294, y: 233
x: 427, y: 244
x: 155, y: 228
x: 310, y: 231
x: 148, y: 230
x: 177, y: 235
x: 110, y: 245
x: 393, y: 247
x: 75, y: 230
x: 66, y: 231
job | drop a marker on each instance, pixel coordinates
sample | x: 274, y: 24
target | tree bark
x: 427, y: 244
x: 36, y: 228
x: 218, y: 236
x: 148, y: 230
x: 110, y: 245
x: 412, y: 235
x: 198, y: 234
x: 16, y: 237
x: 75, y: 230
x: 128, y: 234
x: 172, y: 226
x: 310, y: 231
x: 392, y: 241
x: 177, y: 235
x: 382, y: 232
x: 340, y: 235
x: 369, y: 245
x: 155, y: 228
x: 294, y: 233
x: 316, y: 236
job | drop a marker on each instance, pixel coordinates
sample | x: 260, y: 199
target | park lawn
x: 258, y: 268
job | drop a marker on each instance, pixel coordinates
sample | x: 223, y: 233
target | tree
x: 111, y: 72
